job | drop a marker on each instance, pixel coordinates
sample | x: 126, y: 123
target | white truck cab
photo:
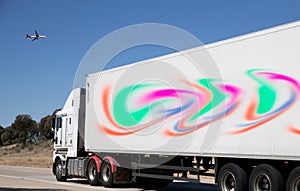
x: 69, y: 128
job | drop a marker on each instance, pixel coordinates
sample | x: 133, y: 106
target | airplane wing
x: 34, y: 39
x: 37, y: 34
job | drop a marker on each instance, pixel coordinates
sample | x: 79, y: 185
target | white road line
x: 60, y: 183
x: 23, y: 170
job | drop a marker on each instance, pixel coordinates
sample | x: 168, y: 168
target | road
x: 41, y: 179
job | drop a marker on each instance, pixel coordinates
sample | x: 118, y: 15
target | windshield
x: 58, y: 122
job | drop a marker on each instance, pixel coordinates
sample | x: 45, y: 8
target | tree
x: 45, y: 128
x: 8, y: 137
x: 4, y: 139
x: 1, y: 132
x: 25, y: 128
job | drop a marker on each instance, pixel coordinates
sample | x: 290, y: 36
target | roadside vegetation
x: 26, y: 130
x: 38, y: 154
x: 27, y: 142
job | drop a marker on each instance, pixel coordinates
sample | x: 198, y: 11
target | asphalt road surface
x: 14, y: 178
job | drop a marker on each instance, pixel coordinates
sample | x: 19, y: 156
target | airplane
x: 36, y: 37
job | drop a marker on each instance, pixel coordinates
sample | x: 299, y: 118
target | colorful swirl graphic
x: 262, y: 109
x: 193, y: 110
x: 225, y: 96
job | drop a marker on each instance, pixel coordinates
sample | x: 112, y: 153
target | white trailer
x: 228, y: 109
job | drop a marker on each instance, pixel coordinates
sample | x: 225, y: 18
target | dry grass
x: 33, y: 155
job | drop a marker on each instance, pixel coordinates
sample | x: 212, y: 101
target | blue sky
x: 36, y: 77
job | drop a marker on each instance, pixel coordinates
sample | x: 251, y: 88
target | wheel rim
x: 92, y: 172
x: 59, y: 170
x: 106, y: 173
x: 228, y: 182
x: 262, y: 183
x: 296, y: 184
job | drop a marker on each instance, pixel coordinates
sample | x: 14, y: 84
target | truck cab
x: 68, y: 124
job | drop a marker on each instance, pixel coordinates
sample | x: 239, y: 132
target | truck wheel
x: 293, y: 181
x: 106, y: 174
x: 267, y: 178
x: 232, y: 177
x: 92, y: 173
x: 58, y: 172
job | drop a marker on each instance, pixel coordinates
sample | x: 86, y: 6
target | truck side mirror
x: 54, y: 140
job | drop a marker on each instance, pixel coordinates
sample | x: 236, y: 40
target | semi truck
x: 228, y: 109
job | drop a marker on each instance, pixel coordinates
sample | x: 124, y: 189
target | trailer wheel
x: 267, y: 178
x: 58, y: 171
x: 232, y: 177
x: 293, y: 181
x: 92, y: 173
x: 107, y: 176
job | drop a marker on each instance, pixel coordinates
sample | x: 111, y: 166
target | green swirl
x: 266, y: 93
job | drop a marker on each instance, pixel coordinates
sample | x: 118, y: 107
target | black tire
x: 266, y: 177
x: 232, y: 177
x: 106, y: 177
x: 58, y: 171
x: 92, y: 173
x: 293, y: 181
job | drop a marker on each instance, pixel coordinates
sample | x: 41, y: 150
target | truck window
x: 58, y: 122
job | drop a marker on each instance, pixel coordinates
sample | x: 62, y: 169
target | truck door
x: 69, y: 134
x: 58, y: 132
x: 64, y: 131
